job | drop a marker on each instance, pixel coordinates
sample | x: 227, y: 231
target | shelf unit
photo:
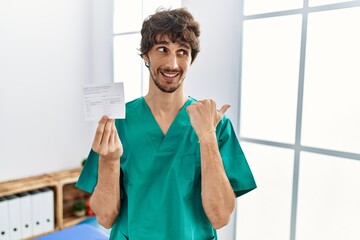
x: 65, y: 193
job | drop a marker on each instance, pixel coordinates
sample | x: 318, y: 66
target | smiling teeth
x: 170, y: 75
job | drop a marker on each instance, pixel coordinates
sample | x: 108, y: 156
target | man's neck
x: 165, y: 106
x: 162, y: 103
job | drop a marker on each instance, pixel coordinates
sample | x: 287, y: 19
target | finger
x: 99, y: 131
x: 113, y: 136
x: 224, y: 108
x: 107, y: 132
x: 116, y: 139
x: 213, y: 105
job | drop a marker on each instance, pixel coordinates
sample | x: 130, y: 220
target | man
x: 172, y: 169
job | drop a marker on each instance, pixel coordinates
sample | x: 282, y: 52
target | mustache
x: 170, y: 70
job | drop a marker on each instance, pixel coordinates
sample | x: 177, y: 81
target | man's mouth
x: 169, y: 74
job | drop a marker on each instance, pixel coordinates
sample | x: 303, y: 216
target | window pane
x: 313, y: 3
x: 331, y: 113
x: 265, y: 212
x: 127, y: 16
x: 127, y: 64
x: 328, y: 198
x: 264, y: 6
x: 270, y: 78
x: 150, y: 6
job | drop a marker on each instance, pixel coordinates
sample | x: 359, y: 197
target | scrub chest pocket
x: 190, y: 176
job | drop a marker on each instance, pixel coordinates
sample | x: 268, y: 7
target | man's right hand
x: 107, y: 142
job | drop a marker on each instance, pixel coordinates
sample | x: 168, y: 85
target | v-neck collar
x: 152, y: 128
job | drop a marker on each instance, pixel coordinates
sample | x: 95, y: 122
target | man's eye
x: 183, y: 53
x: 162, y: 49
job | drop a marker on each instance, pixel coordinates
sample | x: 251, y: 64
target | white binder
x: 4, y: 219
x: 26, y: 215
x: 37, y: 212
x: 48, y: 209
x: 14, y: 217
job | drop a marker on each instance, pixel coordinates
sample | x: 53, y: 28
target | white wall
x: 215, y: 72
x: 48, y: 51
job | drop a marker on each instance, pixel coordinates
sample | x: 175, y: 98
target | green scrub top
x: 160, y: 179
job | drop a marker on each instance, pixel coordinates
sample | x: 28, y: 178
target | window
x: 299, y: 119
x: 128, y: 65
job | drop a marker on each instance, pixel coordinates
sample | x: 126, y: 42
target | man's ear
x: 146, y: 60
x: 145, y: 57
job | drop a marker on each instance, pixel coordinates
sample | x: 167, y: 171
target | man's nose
x: 172, y: 61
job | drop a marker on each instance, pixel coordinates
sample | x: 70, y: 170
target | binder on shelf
x: 26, y: 214
x: 14, y: 217
x: 48, y: 209
x: 37, y: 210
x: 4, y: 219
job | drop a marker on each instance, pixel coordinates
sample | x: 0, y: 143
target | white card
x: 104, y: 99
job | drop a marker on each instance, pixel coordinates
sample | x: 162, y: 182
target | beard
x: 163, y: 87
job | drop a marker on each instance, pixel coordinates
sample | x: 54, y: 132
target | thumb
x: 224, y: 108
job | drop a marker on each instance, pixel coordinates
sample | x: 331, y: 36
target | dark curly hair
x: 177, y: 24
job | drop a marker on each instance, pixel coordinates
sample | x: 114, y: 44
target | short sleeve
x: 89, y: 174
x: 236, y: 166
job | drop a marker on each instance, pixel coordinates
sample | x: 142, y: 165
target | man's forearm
x: 105, y: 201
x: 216, y: 192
